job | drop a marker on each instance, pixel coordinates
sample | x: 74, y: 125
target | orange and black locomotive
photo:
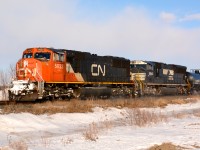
x: 47, y: 73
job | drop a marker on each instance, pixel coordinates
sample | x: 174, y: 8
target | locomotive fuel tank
x: 168, y: 91
x: 99, y: 92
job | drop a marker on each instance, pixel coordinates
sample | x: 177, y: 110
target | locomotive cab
x: 37, y: 66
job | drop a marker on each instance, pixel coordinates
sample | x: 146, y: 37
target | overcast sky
x: 165, y: 31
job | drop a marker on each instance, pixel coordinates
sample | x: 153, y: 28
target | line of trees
x: 6, y: 77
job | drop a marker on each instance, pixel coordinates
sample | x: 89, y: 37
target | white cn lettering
x: 25, y: 63
x: 97, y: 69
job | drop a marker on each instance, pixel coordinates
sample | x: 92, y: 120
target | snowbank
x: 66, y: 131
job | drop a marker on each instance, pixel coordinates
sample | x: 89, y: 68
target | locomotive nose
x: 25, y: 69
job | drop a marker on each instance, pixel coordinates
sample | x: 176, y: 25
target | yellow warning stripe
x: 126, y: 83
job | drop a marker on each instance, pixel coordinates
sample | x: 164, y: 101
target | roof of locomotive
x: 75, y: 52
x: 81, y: 54
x: 146, y: 62
x: 66, y: 50
x: 153, y: 63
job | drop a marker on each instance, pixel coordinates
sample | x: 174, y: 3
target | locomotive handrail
x: 39, y: 73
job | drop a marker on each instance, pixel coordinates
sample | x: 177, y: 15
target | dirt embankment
x: 166, y: 146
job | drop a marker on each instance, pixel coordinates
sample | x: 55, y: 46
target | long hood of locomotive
x: 97, y: 71
x: 104, y: 72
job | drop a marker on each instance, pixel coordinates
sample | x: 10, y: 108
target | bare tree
x: 4, y: 84
x: 5, y: 80
x: 12, y: 71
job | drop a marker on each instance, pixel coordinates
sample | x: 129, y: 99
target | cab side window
x: 42, y: 56
x: 28, y: 55
x: 58, y: 57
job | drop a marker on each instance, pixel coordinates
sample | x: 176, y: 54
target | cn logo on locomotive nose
x: 25, y: 63
x: 97, y: 69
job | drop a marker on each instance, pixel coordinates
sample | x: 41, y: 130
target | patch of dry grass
x: 145, y: 102
x: 50, y: 107
x: 143, y: 118
x: 91, y: 132
x: 82, y: 106
x: 166, y: 146
x: 16, y: 145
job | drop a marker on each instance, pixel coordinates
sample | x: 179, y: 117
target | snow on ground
x: 66, y: 130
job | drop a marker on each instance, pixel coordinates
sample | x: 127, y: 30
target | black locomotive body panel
x: 161, y: 73
x: 94, y: 68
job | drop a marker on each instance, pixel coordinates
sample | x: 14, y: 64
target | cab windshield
x: 28, y: 55
x: 42, y: 56
x: 138, y: 66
